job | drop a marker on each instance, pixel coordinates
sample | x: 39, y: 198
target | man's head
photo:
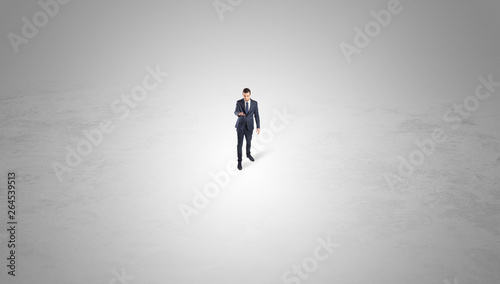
x: 246, y: 94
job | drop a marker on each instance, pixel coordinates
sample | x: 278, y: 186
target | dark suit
x: 244, y: 124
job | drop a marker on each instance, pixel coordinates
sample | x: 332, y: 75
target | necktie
x: 246, y: 107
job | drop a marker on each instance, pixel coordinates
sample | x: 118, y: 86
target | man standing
x: 246, y: 109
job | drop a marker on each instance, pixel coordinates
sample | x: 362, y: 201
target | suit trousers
x: 248, y: 136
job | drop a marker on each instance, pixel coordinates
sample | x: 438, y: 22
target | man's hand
x: 241, y: 114
x: 258, y: 131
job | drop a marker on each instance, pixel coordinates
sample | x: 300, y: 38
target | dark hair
x: 247, y: 90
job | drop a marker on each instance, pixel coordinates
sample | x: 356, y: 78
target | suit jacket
x: 247, y: 119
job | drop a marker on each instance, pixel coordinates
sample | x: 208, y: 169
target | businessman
x: 246, y: 110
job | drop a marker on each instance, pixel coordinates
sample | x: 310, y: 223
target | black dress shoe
x: 250, y: 158
x: 239, y: 166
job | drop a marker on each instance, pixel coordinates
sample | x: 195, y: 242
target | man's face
x: 246, y: 96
